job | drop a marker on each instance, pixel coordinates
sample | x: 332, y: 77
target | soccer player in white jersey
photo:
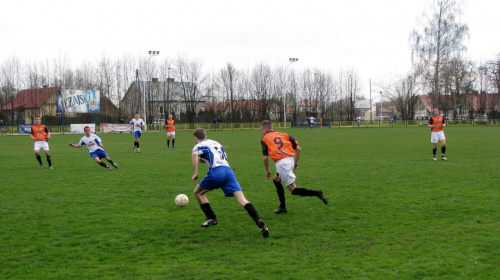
x: 137, y: 125
x: 219, y: 175
x: 95, y: 147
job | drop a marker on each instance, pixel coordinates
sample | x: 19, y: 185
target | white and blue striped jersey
x: 92, y: 142
x: 135, y: 122
x: 212, y: 153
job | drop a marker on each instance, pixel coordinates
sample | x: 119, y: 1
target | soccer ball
x: 181, y: 200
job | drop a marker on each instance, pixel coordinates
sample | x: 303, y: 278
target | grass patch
x: 393, y: 213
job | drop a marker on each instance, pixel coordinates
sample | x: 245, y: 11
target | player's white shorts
x: 437, y: 136
x: 41, y: 145
x: 169, y: 134
x: 284, y: 167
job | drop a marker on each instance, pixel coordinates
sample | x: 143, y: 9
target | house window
x: 161, y: 110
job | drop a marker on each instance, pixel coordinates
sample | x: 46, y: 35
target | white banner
x: 115, y: 128
x: 78, y: 128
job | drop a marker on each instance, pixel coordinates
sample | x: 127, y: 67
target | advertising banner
x: 115, y: 128
x: 78, y: 128
x: 25, y: 129
x: 78, y: 101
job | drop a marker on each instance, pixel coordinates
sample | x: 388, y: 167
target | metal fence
x: 12, y: 130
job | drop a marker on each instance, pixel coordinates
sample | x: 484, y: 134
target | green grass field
x: 393, y: 212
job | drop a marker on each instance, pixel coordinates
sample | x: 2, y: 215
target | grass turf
x: 393, y: 212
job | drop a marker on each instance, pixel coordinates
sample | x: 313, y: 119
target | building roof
x: 158, y: 90
x: 30, y: 98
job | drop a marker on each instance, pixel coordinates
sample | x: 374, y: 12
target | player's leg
x: 98, y: 160
x: 281, y: 194
x: 37, y: 155
x: 443, y: 149
x: 305, y: 192
x: 111, y: 162
x: 173, y: 140
x: 199, y: 194
x: 240, y: 197
x: 36, y: 149
x: 49, y: 160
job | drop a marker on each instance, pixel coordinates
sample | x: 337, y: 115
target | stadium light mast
x: 291, y: 60
x: 381, y: 107
x: 151, y: 54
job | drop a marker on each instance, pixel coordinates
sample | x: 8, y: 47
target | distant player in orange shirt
x: 41, y: 135
x: 285, y: 152
x: 437, y: 124
x: 170, y: 127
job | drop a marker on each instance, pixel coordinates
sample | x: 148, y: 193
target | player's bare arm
x: 194, y: 162
x: 73, y: 145
x: 265, y: 159
x: 296, y: 158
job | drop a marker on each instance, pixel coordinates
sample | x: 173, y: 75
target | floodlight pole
x: 151, y: 54
x: 292, y: 60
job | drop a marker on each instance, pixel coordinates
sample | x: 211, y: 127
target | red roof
x: 30, y: 98
x: 483, y: 101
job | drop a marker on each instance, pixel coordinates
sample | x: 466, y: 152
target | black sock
x: 111, y: 162
x: 173, y: 142
x: 304, y: 192
x: 102, y: 164
x: 168, y: 143
x: 137, y: 145
x: 252, y: 212
x: 443, y: 150
x: 39, y: 158
x: 207, y: 210
x: 281, y: 193
x: 434, y: 150
x: 49, y: 160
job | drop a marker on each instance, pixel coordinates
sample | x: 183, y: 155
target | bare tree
x: 228, y: 84
x: 261, y: 90
x: 440, y: 40
x: 494, y: 75
x: 189, y: 73
x: 459, y: 76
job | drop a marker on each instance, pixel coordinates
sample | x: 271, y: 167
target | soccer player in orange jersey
x: 170, y: 127
x: 437, y: 124
x: 41, y: 135
x: 285, y: 152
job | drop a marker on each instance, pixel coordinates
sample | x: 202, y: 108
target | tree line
x: 439, y: 68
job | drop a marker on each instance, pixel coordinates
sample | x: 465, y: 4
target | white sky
x: 369, y: 36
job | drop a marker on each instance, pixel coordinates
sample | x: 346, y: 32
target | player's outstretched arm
x: 73, y: 145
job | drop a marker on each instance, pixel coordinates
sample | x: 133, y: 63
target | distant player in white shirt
x: 95, y: 147
x: 311, y: 122
x: 219, y: 175
x: 137, y: 125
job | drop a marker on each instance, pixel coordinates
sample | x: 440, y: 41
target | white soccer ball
x: 181, y: 200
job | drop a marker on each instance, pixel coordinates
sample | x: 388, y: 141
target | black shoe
x: 263, y: 229
x: 115, y: 165
x: 210, y: 222
x: 322, y: 196
x: 280, y: 210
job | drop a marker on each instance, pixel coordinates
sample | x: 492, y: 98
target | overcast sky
x: 369, y: 36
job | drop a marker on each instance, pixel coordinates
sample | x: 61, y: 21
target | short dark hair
x: 200, y: 134
x: 267, y: 124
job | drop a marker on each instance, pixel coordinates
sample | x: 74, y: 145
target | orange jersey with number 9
x: 278, y: 145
